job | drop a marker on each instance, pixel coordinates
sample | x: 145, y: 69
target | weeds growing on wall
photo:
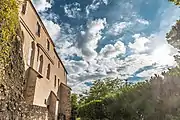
x: 8, y: 28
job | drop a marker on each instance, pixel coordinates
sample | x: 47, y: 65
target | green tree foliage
x: 176, y: 2
x: 157, y: 99
x: 174, y: 35
x: 92, y: 111
x: 133, y: 103
x: 74, y: 106
x: 103, y: 88
x: 173, y: 38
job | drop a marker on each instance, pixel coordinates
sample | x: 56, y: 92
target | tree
x: 103, y: 88
x: 173, y: 38
x: 74, y: 106
x: 92, y: 111
x: 176, y: 2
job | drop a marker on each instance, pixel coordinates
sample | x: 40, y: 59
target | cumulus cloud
x: 42, y: 5
x: 76, y: 67
x: 111, y: 51
x: 72, y: 10
x: 53, y: 28
x: 152, y: 51
x: 89, y: 38
x: 140, y: 44
x: 163, y: 55
x: 146, y: 50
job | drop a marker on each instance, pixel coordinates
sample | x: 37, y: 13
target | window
x: 58, y: 82
x: 48, y: 71
x: 31, y: 54
x: 37, y: 53
x: 24, y: 5
x: 38, y: 29
x: 55, y: 81
x: 41, y: 64
x: 48, y: 45
x: 59, y: 64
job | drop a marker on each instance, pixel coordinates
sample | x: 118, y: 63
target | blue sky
x: 110, y: 38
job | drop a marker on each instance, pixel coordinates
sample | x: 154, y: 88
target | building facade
x: 46, y: 76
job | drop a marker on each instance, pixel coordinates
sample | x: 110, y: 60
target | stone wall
x: 12, y: 103
x: 65, y: 104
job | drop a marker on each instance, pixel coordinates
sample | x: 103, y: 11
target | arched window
x: 48, y: 71
x: 41, y: 64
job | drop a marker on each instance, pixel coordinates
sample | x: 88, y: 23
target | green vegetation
x: 176, y: 2
x: 8, y: 27
x: 74, y: 106
x: 92, y: 110
x: 157, y: 99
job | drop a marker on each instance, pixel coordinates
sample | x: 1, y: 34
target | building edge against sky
x: 45, y: 74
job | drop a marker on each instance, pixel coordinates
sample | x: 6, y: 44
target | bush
x: 92, y: 110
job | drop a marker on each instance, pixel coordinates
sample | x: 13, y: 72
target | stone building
x: 45, y: 74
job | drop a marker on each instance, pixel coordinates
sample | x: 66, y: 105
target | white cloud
x: 53, y: 28
x: 110, y: 51
x: 142, y: 21
x: 105, y: 1
x: 65, y: 43
x: 42, y: 5
x: 76, y: 67
x: 117, y: 28
x: 94, y: 6
x: 152, y: 50
x: 147, y: 51
x: 163, y: 55
x: 49, y: 16
x: 140, y: 44
x: 72, y: 10
x: 90, y: 37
